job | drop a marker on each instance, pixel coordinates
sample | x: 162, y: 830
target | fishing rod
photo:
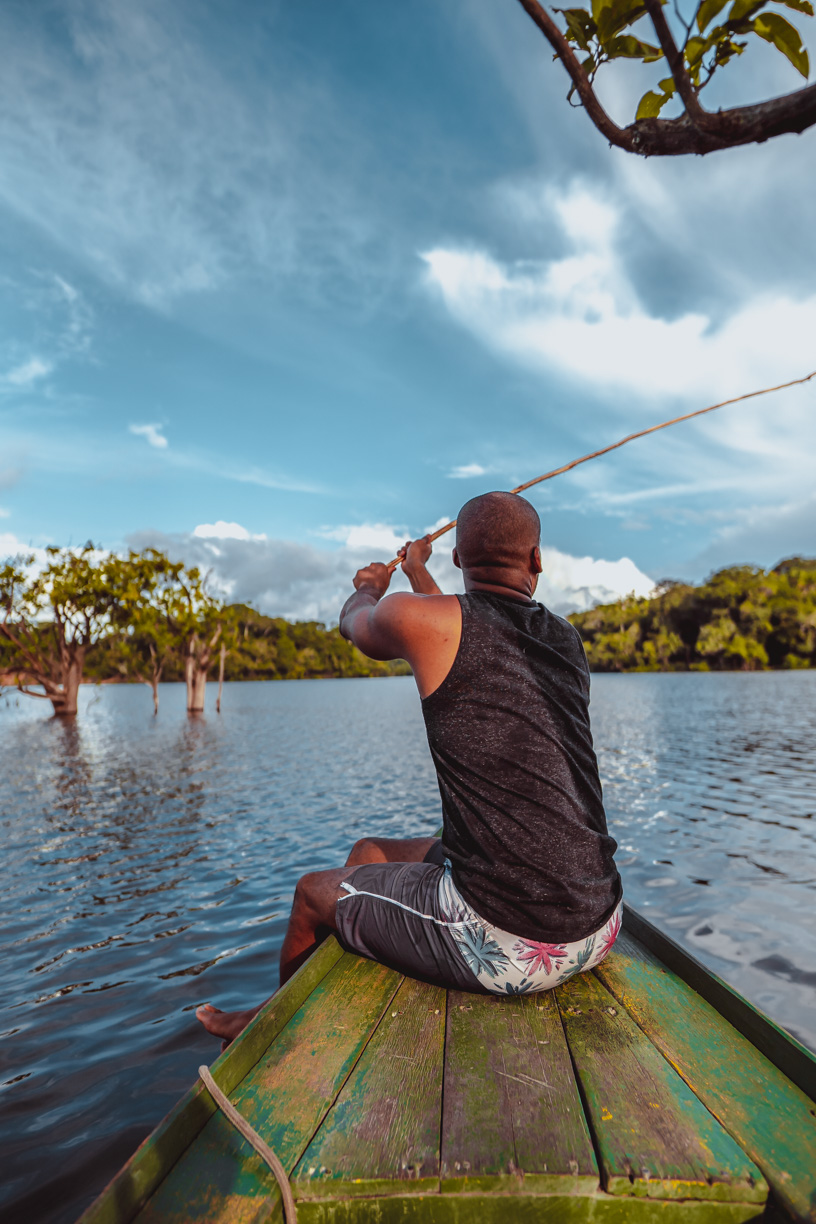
x: 392, y: 565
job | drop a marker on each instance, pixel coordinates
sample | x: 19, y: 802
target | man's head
x: 498, y: 535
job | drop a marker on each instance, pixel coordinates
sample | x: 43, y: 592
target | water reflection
x: 150, y: 863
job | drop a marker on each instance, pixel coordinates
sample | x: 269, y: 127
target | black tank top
x: 523, y: 818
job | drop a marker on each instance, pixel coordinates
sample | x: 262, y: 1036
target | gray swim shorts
x: 412, y: 917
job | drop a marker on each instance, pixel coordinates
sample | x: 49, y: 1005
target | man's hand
x: 414, y: 555
x: 374, y: 578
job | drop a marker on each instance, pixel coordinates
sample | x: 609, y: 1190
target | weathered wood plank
x: 284, y: 1097
x: 382, y: 1133
x: 770, y: 1117
x: 525, y: 1209
x: 512, y: 1118
x: 654, y: 1137
x: 131, y: 1187
x: 784, y: 1051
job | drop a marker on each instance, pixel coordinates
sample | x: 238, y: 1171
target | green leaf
x: 776, y: 30
x: 667, y: 86
x: 707, y: 11
x: 741, y: 9
x: 650, y: 105
x: 629, y: 47
x: 801, y: 6
x: 580, y: 26
x: 616, y: 16
x: 695, y: 50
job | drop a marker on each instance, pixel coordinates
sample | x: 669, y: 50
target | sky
x: 282, y: 285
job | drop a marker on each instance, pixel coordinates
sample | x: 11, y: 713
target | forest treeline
x: 742, y: 618
x: 89, y: 615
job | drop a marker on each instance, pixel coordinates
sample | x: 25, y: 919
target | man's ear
x: 456, y: 560
x: 535, y: 561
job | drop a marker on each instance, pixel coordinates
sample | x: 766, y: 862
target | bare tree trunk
x: 64, y: 701
x: 221, y: 660
x: 155, y: 677
x: 196, y: 667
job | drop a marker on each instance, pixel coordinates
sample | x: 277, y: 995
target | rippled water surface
x: 149, y: 864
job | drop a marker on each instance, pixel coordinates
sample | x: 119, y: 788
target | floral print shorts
x: 506, y: 963
x: 412, y: 917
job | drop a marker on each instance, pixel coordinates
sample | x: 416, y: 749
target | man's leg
x: 312, y: 917
x: 389, y: 850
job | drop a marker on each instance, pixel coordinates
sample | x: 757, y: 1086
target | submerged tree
x: 712, y: 34
x: 149, y: 610
x: 51, y: 619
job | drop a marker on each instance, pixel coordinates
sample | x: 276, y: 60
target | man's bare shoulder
x: 407, y: 605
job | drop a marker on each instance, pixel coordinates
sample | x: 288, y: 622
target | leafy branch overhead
x: 693, y: 49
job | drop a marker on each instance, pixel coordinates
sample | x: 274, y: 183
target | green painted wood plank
x: 525, y: 1209
x: 382, y: 1133
x: 772, y: 1120
x: 284, y: 1097
x: 655, y: 1139
x: 131, y: 1187
x: 512, y: 1119
x: 783, y: 1050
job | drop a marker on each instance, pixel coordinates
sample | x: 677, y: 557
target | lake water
x: 148, y: 865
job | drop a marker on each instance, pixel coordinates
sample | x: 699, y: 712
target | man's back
x: 508, y: 728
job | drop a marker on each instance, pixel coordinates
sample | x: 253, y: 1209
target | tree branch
x: 677, y: 65
x: 698, y: 131
x: 565, y: 53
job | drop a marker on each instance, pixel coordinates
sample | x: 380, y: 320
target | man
x: 521, y: 891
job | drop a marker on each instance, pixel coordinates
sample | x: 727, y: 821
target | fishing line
x: 629, y: 438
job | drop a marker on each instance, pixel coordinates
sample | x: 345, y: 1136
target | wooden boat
x: 647, y: 1090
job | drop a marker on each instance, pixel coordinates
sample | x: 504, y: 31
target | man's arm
x: 415, y: 554
x: 424, y: 629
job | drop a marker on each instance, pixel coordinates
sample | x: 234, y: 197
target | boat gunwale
x: 782, y: 1049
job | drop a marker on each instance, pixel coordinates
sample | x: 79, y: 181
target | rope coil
x: 264, y: 1151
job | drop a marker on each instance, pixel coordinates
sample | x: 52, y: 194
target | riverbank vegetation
x: 741, y: 618
x: 89, y: 615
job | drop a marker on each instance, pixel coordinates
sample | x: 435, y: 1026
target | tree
x: 51, y: 619
x: 709, y: 40
x: 200, y: 622
x: 741, y: 617
x: 149, y: 609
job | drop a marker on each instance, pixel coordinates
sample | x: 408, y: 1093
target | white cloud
x: 28, y: 372
x: 466, y: 470
x: 152, y: 433
x: 573, y: 584
x: 225, y: 531
x: 580, y: 316
x: 370, y: 536
x: 302, y: 582
x: 4, y: 513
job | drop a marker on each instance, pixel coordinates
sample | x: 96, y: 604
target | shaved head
x: 496, y: 530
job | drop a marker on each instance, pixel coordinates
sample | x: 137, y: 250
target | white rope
x: 264, y: 1151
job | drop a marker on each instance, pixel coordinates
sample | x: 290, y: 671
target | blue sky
x: 283, y: 282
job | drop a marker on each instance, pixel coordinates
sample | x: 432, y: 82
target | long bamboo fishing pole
x: 629, y: 438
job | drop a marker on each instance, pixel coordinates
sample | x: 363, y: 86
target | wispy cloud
x: 152, y: 433
x: 176, y: 175
x: 466, y: 471
x: 29, y: 372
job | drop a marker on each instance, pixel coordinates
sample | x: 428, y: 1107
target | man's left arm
x: 373, y: 627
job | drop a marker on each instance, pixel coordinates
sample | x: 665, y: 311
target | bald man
x: 521, y: 891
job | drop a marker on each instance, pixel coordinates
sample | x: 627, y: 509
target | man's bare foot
x: 227, y: 1025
